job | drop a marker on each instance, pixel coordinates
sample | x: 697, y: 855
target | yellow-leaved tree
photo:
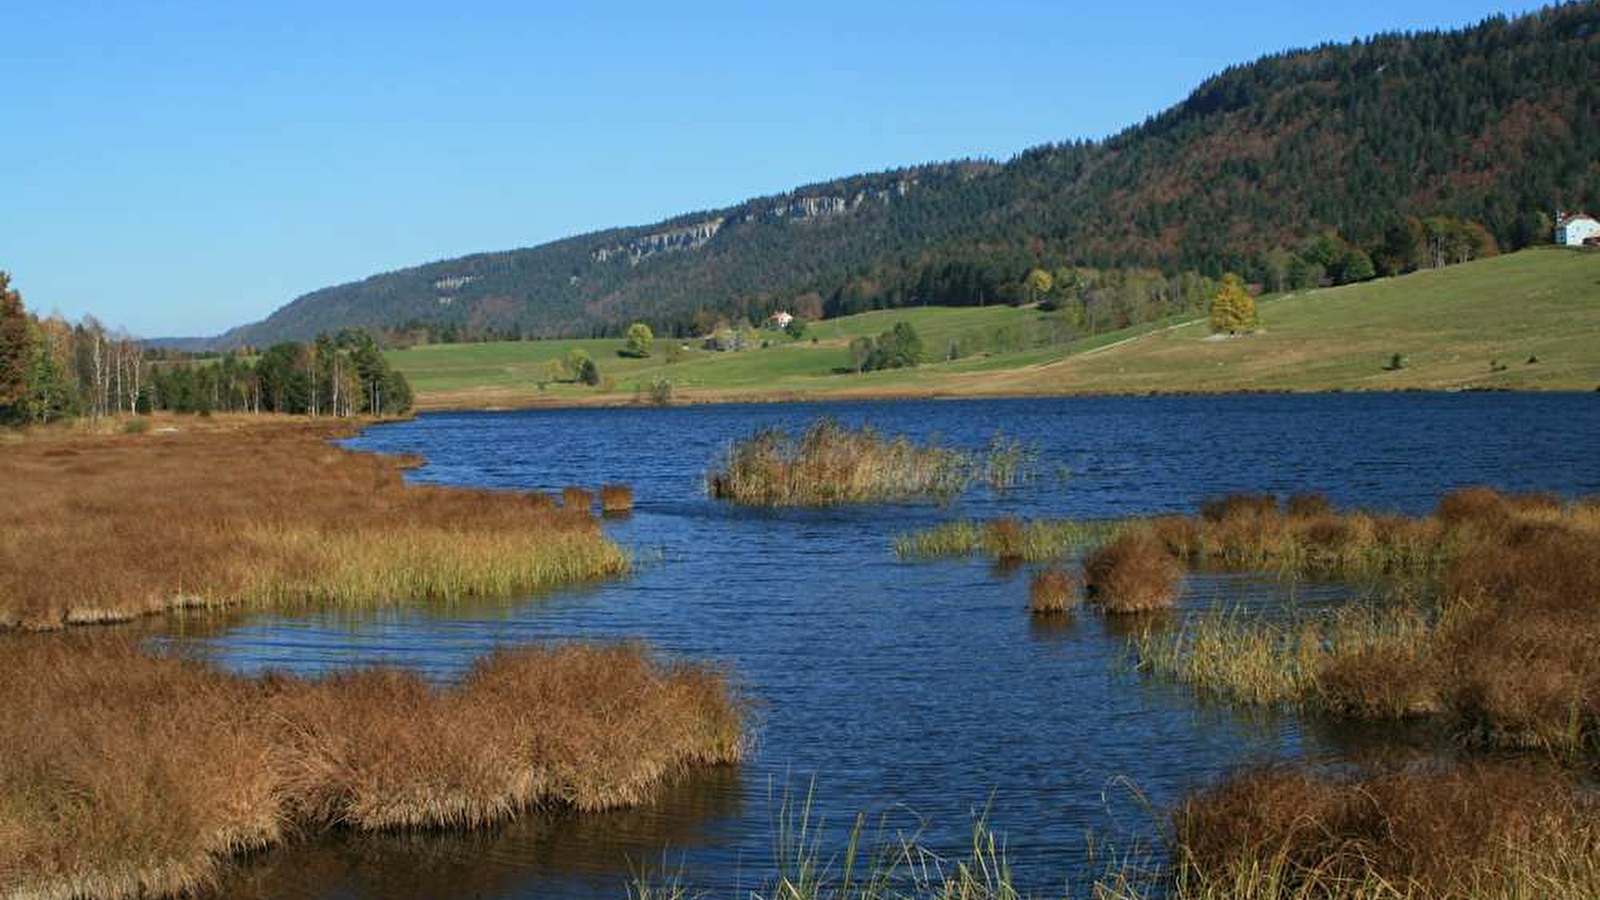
x: 1233, y: 310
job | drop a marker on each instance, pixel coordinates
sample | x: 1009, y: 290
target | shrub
x: 1132, y: 573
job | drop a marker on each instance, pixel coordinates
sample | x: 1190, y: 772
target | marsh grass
x: 1030, y: 541
x: 1132, y: 573
x: 829, y: 464
x: 1448, y: 832
x: 616, y: 499
x: 106, y: 527
x: 130, y: 775
x: 1503, y: 646
x: 1232, y: 655
x: 1052, y: 591
x: 577, y: 498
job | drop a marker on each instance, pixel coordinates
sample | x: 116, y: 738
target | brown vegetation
x: 1134, y: 572
x: 1506, y: 647
x: 105, y: 527
x: 129, y: 775
x: 831, y: 464
x: 1052, y: 591
x: 616, y: 498
x: 1451, y: 832
x: 577, y: 498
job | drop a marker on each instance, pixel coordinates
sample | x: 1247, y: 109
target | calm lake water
x: 921, y: 691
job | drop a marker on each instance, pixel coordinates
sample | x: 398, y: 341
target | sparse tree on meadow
x: 1233, y: 310
x: 640, y: 340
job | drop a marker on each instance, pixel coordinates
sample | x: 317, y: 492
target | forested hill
x: 1363, y: 146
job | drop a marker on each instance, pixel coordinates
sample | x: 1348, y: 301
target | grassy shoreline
x: 238, y: 512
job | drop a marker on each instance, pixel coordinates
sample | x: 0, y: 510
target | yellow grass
x: 105, y: 527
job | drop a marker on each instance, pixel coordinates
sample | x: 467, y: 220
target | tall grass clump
x: 1133, y: 572
x: 830, y: 464
x: 577, y: 498
x: 616, y: 499
x: 268, y: 513
x: 1450, y: 831
x: 1052, y: 591
x: 127, y: 775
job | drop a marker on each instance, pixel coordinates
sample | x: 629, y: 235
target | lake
x: 920, y: 691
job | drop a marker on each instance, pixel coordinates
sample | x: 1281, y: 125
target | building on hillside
x: 1576, y: 230
x: 781, y: 319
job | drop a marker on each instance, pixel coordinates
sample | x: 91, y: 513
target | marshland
x: 917, y: 689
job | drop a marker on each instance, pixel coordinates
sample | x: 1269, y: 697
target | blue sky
x: 180, y: 168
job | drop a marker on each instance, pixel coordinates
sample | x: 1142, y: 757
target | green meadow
x: 1521, y: 321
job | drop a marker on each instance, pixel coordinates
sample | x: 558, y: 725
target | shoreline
x: 426, y: 404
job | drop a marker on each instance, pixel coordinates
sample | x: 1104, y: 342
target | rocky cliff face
x: 802, y: 208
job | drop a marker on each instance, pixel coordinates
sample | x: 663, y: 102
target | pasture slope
x: 1523, y: 321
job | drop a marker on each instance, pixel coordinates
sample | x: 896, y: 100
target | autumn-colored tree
x: 1233, y: 309
x: 1037, y: 284
x: 13, y: 349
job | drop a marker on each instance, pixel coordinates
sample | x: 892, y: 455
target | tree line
x: 52, y: 370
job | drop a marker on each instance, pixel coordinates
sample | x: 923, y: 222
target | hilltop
x: 1525, y: 320
x: 1491, y: 127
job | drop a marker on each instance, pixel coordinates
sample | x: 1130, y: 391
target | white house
x: 781, y: 319
x: 1575, y: 230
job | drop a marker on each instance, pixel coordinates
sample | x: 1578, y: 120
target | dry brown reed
x: 129, y: 775
x: 577, y: 498
x: 616, y: 499
x: 1052, y: 591
x: 106, y: 527
x: 1506, y: 648
x: 1457, y: 831
x: 831, y: 464
x: 1133, y: 572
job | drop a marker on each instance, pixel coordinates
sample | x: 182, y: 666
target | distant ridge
x: 1495, y: 124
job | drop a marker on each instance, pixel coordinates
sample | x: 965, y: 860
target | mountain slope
x: 1495, y: 124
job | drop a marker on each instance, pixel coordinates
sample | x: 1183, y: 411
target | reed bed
x: 1456, y: 831
x: 1449, y: 832
x: 1005, y: 539
x: 106, y: 527
x: 1230, y: 655
x: 1505, y: 649
x: 127, y: 775
x: 1052, y: 591
x: 577, y: 498
x: 616, y: 499
x: 829, y: 464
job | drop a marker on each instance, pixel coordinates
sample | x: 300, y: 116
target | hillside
x: 1494, y: 125
x: 1472, y: 326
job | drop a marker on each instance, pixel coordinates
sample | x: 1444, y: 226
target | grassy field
x: 1470, y: 326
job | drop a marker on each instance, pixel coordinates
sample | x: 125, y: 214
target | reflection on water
x: 898, y: 686
x: 583, y: 851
